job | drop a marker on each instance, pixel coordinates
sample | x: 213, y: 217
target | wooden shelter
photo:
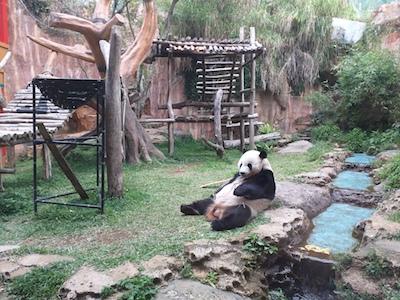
x: 220, y: 65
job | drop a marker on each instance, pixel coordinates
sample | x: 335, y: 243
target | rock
x: 189, y: 289
x: 388, y: 154
x: 124, y: 271
x: 387, y: 14
x: 40, y: 260
x: 162, y: 268
x: 301, y: 146
x: 227, y: 260
x: 330, y: 171
x: 287, y: 226
x: 5, y: 249
x: 312, y: 199
x: 6, y: 267
x: 315, y: 178
x: 391, y: 204
x: 85, y: 281
x: 377, y: 227
x: 356, y: 197
x: 387, y: 249
x: 356, y: 279
x: 391, y: 42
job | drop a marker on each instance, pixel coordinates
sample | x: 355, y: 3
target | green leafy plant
x: 318, y: 151
x: 395, y: 217
x: 356, y: 140
x: 266, y: 128
x: 328, y: 132
x: 391, y: 173
x: 211, y: 278
x: 40, y: 283
x: 277, y: 294
x: 187, y: 271
x: 377, y: 267
x: 369, y: 86
x: 343, y: 261
x: 135, y: 288
x: 257, y: 246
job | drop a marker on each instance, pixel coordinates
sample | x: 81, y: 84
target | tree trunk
x: 113, y: 118
x: 138, y: 143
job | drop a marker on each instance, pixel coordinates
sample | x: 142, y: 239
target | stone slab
x: 189, y: 289
x: 301, y: 146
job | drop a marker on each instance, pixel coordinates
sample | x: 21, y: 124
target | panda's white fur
x: 225, y: 197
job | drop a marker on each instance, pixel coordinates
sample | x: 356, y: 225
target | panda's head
x: 253, y: 162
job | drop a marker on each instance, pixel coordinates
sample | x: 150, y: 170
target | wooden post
x: 171, y: 142
x: 48, y: 67
x: 60, y: 159
x: 47, y: 168
x: 113, y: 118
x: 217, y: 122
x: 253, y: 90
x: 242, y: 128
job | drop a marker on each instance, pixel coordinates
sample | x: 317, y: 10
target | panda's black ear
x: 263, y: 154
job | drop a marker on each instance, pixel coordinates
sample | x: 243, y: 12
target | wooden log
x: 227, y: 75
x: 217, y: 123
x: 141, y: 47
x: 63, y: 164
x: 180, y: 105
x: 113, y: 119
x: 77, y: 51
x: 200, y: 82
x: 171, y: 141
x: 48, y: 66
x: 217, y: 70
x: 253, y: 90
x: 242, y: 131
x: 259, y: 138
x: 93, y: 32
x: 47, y: 168
x: 157, y: 120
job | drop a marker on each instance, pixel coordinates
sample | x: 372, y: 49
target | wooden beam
x: 259, y: 138
x: 180, y: 105
x: 47, y: 168
x: 253, y: 90
x: 171, y: 138
x: 242, y: 131
x: 62, y: 163
x: 217, y: 70
x: 113, y: 120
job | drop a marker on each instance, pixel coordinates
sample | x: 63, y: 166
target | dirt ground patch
x: 100, y: 237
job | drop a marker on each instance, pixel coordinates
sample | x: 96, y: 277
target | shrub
x: 138, y: 288
x: 266, y: 128
x: 318, y: 150
x: 391, y: 173
x: 257, y: 246
x: 377, y: 267
x: 328, y: 132
x: 356, y: 140
x: 369, y: 86
x: 277, y: 294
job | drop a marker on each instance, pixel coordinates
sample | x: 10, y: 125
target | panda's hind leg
x: 197, y: 207
x: 235, y: 216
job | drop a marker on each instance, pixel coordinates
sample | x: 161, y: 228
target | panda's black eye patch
x: 241, y: 165
x: 250, y: 166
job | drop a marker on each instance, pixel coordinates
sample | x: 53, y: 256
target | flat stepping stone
x: 126, y: 270
x: 190, y: 289
x: 4, y: 249
x: 301, y: 146
x: 353, y: 180
x: 360, y: 160
x: 86, y: 281
x: 360, y: 283
x: 40, y: 260
x: 6, y: 267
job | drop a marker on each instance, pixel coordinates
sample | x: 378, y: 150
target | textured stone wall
x: 28, y: 59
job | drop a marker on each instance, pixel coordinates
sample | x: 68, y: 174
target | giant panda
x: 248, y: 193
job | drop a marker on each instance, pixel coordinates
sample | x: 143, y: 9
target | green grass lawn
x: 146, y: 222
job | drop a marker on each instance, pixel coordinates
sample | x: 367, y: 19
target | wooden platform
x: 16, y: 120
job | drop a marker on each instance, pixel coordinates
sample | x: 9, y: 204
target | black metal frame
x: 86, y: 141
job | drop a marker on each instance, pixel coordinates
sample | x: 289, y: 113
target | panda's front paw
x: 217, y: 225
x: 240, y: 191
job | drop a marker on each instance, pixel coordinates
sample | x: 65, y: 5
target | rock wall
x: 28, y: 59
